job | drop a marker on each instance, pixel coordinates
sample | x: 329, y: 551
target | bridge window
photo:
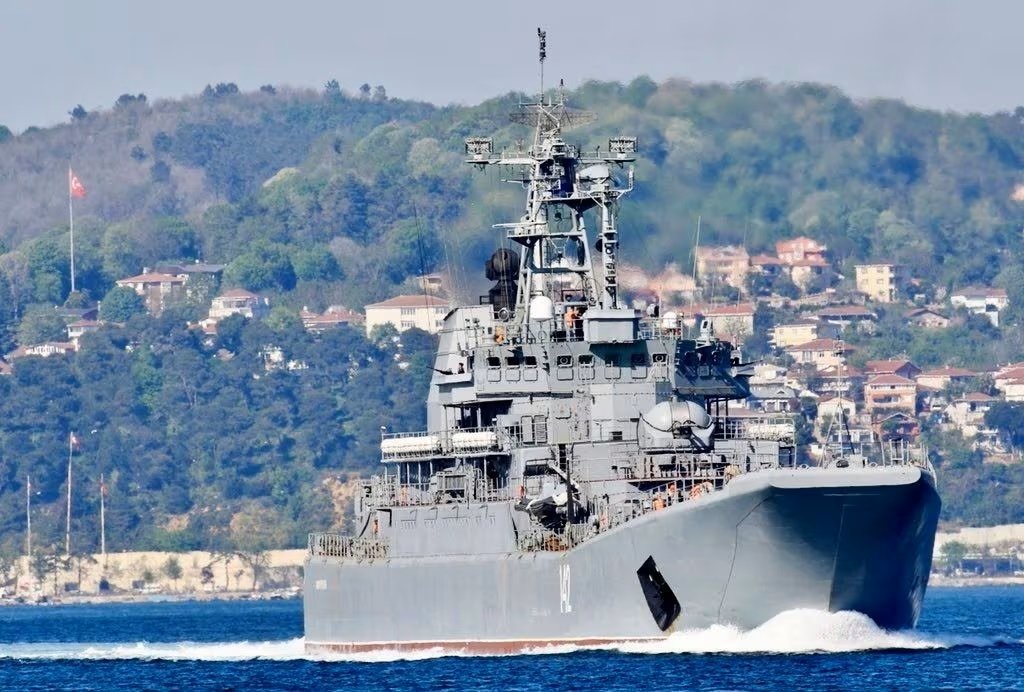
x: 611, y: 367
x: 638, y: 362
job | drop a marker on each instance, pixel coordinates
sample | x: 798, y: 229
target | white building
x: 238, y: 301
x: 981, y: 301
x: 407, y: 312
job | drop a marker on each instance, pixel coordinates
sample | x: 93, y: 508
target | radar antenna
x: 542, y: 38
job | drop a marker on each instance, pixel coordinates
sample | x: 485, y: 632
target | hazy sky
x: 939, y: 53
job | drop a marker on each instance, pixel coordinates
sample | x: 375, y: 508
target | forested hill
x: 326, y: 198
x: 335, y: 198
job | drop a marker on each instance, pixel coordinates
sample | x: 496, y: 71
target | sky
x: 943, y: 54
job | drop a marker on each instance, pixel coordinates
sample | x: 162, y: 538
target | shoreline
x: 175, y: 597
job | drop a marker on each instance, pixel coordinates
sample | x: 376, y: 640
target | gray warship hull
x: 830, y: 539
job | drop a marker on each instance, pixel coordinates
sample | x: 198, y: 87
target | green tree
x: 1008, y: 419
x: 41, y: 324
x: 265, y: 265
x: 120, y: 304
x: 172, y: 570
x: 953, y: 553
x: 316, y: 264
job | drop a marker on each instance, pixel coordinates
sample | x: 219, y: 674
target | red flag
x: 75, y: 185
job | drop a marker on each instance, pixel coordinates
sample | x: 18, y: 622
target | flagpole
x: 103, y: 520
x: 28, y: 518
x: 67, y: 526
x: 71, y: 225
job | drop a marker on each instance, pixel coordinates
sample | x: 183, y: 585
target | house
x: 888, y: 393
x: 901, y: 367
x: 967, y: 413
x: 238, y: 301
x: 898, y: 425
x: 805, y: 271
x: 927, y: 318
x: 981, y: 301
x: 830, y: 406
x: 821, y: 353
x: 1010, y: 381
x: 729, y: 263
x: 843, y: 316
x: 838, y: 379
x: 158, y: 291
x: 882, y: 283
x: 766, y: 265
x: 773, y: 398
x: 43, y: 350
x: 829, y: 410
x: 435, y: 284
x: 735, y: 320
x: 334, y: 316
x: 801, y: 331
x: 940, y: 378
x: 799, y: 250
x: 79, y: 327
x: 187, y: 270
x: 424, y: 312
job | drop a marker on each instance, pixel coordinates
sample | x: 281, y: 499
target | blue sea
x: 967, y: 638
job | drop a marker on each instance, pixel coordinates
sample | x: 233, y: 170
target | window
x: 408, y: 312
x: 660, y: 358
x: 587, y: 360
x: 440, y: 311
x: 564, y: 361
x: 406, y: 324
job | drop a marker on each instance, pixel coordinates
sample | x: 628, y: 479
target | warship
x: 583, y: 479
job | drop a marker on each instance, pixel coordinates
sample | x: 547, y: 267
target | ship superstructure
x: 582, y: 477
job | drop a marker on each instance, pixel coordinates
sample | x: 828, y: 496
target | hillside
x: 325, y: 198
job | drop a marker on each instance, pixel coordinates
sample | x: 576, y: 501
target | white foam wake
x: 791, y: 632
x: 802, y: 631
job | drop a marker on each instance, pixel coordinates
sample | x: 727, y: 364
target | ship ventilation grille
x: 663, y: 603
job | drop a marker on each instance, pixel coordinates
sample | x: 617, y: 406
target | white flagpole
x: 28, y: 518
x: 103, y: 520
x: 67, y: 526
x: 71, y: 224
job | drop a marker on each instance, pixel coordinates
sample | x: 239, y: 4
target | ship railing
x: 606, y: 517
x: 420, y: 494
x: 900, y: 452
x: 404, y: 446
x: 346, y: 547
x: 777, y: 428
x: 661, y: 328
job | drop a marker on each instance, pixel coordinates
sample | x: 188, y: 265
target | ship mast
x: 562, y: 185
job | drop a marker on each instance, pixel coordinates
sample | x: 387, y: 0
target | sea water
x: 967, y: 638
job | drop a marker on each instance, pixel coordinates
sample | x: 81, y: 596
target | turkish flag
x: 77, y: 189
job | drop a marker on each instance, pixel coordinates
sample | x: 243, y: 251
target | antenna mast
x: 542, y: 38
